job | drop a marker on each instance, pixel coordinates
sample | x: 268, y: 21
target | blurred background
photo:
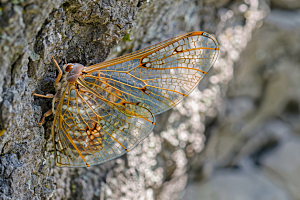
x: 236, y: 137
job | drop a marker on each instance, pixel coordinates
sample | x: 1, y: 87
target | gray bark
x: 237, y: 132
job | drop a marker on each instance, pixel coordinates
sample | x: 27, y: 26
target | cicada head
x: 72, y: 71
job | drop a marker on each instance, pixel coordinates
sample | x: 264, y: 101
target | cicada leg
x: 46, y: 114
x: 66, y: 59
x: 60, y: 72
x: 49, y: 112
x: 50, y: 96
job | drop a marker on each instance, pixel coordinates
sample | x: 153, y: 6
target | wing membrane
x: 158, y: 77
x: 111, y: 107
x: 80, y: 113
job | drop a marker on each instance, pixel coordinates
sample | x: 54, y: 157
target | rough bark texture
x: 235, y: 137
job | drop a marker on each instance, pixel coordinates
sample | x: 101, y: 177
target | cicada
x: 104, y: 110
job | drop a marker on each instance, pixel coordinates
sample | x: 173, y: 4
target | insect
x: 103, y: 111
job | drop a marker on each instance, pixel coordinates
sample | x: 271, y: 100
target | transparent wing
x: 111, y: 107
x: 157, y: 77
x: 89, y: 130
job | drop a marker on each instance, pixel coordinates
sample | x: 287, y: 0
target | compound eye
x: 69, y: 67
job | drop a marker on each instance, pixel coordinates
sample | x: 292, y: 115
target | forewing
x: 89, y: 130
x: 157, y: 77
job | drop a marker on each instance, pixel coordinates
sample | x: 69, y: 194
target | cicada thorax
x: 71, y: 73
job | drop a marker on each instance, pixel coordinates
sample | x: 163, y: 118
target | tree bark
x: 204, y: 135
